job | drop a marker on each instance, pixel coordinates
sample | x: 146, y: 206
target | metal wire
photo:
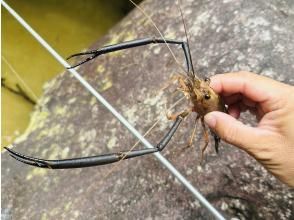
x: 164, y: 161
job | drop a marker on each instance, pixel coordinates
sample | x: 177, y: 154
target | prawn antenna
x: 161, y: 35
x: 186, y: 33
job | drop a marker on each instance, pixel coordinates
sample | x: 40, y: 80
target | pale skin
x: 271, y: 142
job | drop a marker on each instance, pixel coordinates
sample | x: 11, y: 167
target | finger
x: 248, y: 102
x: 232, y: 130
x: 252, y: 86
x: 259, y: 113
x: 231, y: 99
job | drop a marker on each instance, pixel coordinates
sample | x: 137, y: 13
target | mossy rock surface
x: 68, y: 122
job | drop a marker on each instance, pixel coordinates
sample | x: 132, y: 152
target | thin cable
x: 165, y: 162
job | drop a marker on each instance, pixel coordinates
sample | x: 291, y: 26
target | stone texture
x: 68, y: 122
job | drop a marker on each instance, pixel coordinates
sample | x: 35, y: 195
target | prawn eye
x: 207, y: 96
x: 206, y: 79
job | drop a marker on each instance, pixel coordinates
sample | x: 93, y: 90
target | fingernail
x: 210, y: 120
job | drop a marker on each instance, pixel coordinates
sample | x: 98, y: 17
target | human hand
x: 271, y: 142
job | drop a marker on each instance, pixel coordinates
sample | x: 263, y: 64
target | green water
x: 68, y: 26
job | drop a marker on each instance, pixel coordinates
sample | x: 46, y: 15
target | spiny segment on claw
x: 78, y: 54
x: 23, y: 160
x: 84, y: 61
x: 27, y: 160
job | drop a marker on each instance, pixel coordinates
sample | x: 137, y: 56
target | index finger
x: 255, y: 87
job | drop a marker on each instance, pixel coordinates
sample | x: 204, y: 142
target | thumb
x: 231, y: 130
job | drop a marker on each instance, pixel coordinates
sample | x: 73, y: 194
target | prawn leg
x: 173, y: 117
x: 193, y: 133
x: 206, y: 140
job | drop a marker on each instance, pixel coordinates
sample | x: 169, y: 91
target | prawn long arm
x: 99, y: 159
x: 134, y: 43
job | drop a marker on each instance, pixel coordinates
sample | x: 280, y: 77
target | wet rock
x: 68, y: 122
